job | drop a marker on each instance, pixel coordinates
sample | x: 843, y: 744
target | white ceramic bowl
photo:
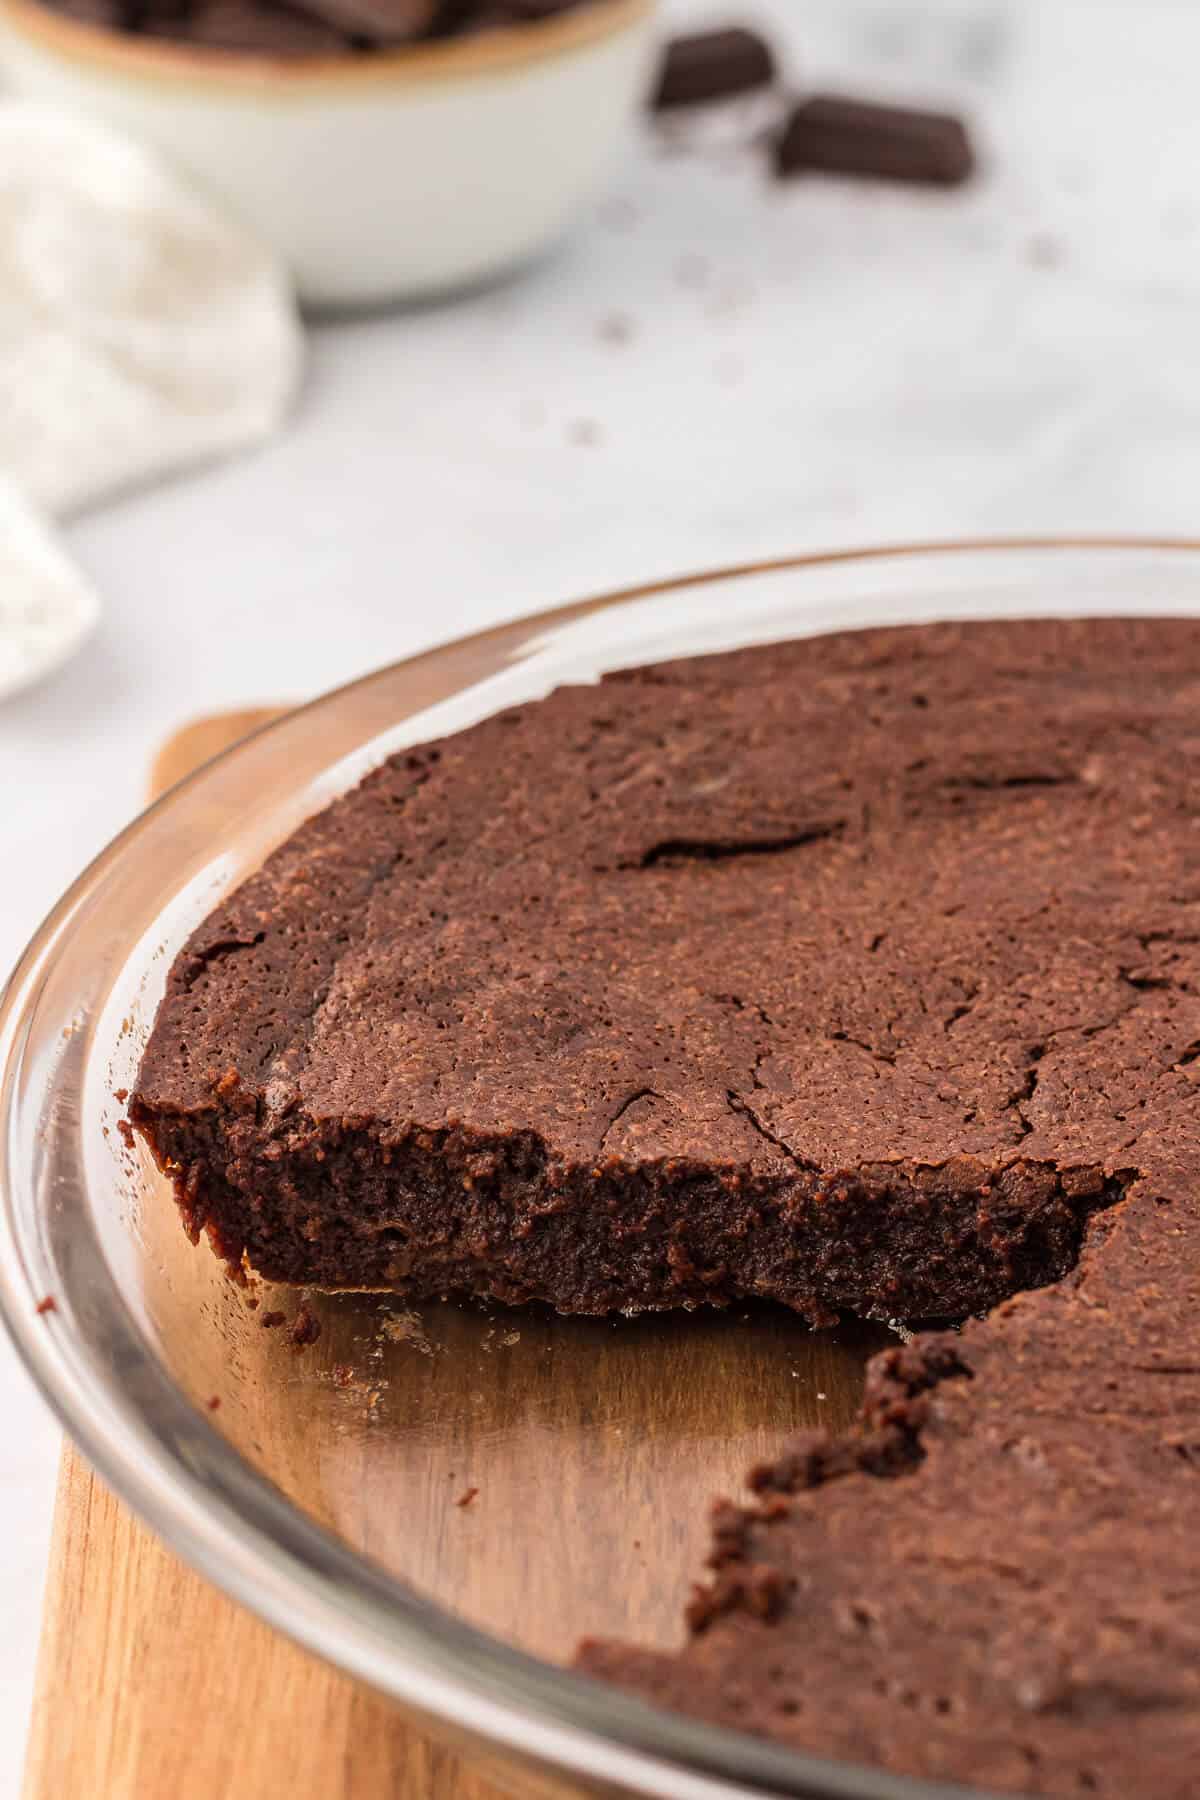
x: 382, y: 177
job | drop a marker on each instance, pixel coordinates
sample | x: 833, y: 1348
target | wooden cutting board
x: 152, y: 1684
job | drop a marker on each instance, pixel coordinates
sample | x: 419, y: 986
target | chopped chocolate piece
x: 252, y: 27
x: 859, y: 137
x: 307, y: 27
x: 376, y: 21
x: 113, y: 15
x: 496, y: 14
x: 712, y: 65
x: 271, y: 1320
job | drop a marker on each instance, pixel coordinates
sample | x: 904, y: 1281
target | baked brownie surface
x: 861, y: 972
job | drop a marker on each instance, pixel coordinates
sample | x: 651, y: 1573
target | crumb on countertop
x: 615, y: 328
x: 691, y: 271
x: 466, y: 1498
x: 1044, y: 251
x: 406, y: 1328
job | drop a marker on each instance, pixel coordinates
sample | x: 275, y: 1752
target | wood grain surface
x: 151, y: 1683
x: 603, y: 1439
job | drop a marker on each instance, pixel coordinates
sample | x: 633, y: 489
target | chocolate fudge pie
x: 860, y: 973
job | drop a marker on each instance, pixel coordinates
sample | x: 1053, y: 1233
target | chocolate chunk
x: 493, y: 13
x: 248, y: 26
x: 112, y: 15
x: 859, y: 137
x: 713, y: 65
x: 376, y: 21
x: 308, y: 27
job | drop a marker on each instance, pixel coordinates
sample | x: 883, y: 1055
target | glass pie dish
x: 323, y: 1492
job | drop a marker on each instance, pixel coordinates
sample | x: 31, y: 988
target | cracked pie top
x: 861, y: 973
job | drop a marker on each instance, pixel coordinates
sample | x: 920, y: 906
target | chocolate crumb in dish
x: 861, y: 973
x: 214, y: 1402
x: 47, y: 1304
x: 843, y: 136
x: 306, y: 1328
x: 712, y: 65
x: 121, y: 1095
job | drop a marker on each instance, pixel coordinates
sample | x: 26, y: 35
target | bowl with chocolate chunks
x: 387, y: 149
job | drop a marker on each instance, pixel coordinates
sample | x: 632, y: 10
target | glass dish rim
x: 241, y: 1533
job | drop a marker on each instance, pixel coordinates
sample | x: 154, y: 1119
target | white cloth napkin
x: 140, y: 331
x: 47, y: 609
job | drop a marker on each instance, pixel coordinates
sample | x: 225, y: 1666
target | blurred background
x: 713, y: 364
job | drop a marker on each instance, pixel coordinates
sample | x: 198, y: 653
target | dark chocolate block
x: 713, y: 65
x: 858, y: 972
x: 859, y: 137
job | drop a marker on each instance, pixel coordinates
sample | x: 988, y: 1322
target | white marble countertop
x: 792, y: 367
